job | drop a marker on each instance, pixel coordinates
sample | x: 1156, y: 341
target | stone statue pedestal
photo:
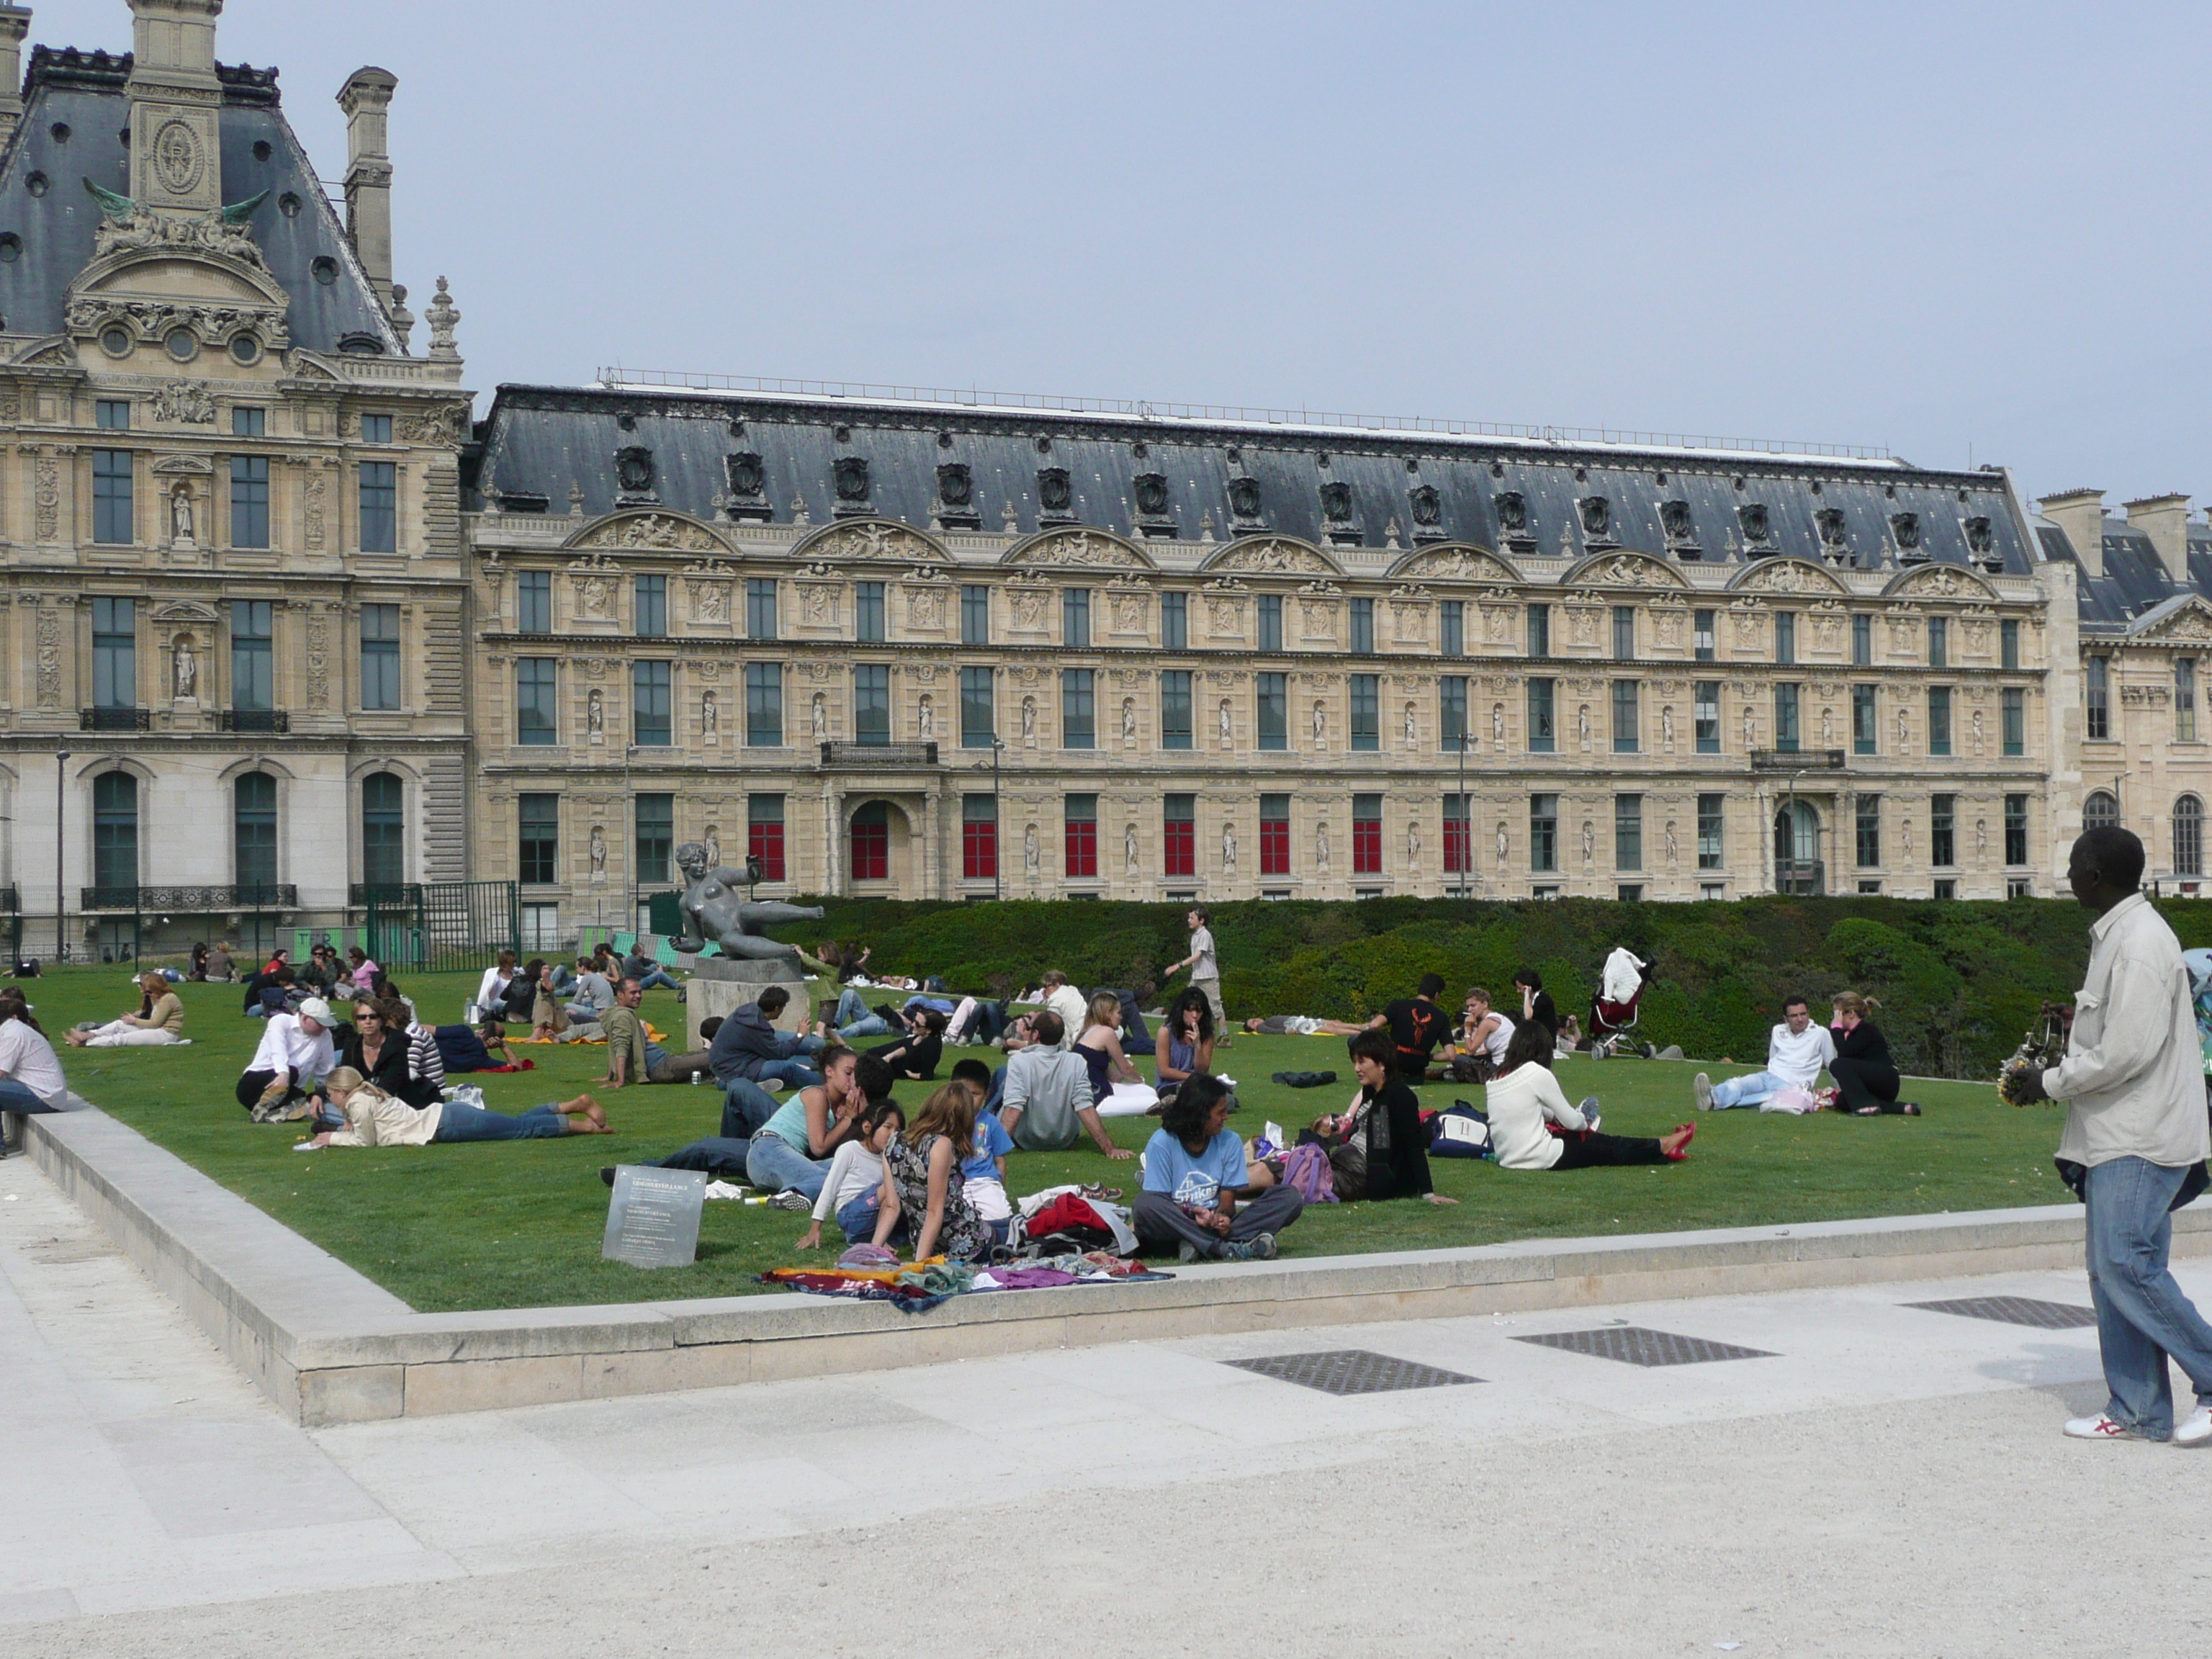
x: 722, y: 985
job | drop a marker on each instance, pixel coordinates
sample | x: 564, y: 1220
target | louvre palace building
x: 293, y: 621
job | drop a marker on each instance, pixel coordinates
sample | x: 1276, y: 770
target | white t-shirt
x: 1072, y: 1007
x: 28, y: 1059
x: 1494, y: 1044
x: 855, y: 1172
x: 1202, y: 964
x: 1798, y: 1059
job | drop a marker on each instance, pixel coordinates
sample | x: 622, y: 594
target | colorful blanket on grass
x: 920, y: 1287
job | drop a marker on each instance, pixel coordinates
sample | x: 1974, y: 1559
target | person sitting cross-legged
x: 1046, y: 1101
x: 1194, y: 1169
x: 1796, y: 1049
x: 1526, y: 1105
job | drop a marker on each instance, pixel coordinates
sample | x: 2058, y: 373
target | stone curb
x: 328, y: 1345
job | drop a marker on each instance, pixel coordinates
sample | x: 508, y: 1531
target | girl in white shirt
x: 853, y: 1187
x: 1526, y: 1101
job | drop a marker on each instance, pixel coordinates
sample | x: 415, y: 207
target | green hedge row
x: 1959, y: 982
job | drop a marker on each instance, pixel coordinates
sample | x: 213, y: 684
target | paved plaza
x: 1873, y: 1478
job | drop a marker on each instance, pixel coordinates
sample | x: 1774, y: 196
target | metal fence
x: 435, y: 925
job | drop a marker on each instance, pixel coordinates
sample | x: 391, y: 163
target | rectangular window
x: 1175, y: 622
x: 376, y: 429
x: 1270, y: 622
x: 2015, y: 829
x: 764, y: 705
x: 2012, y: 711
x: 1861, y: 640
x: 1942, y: 830
x: 539, y: 818
x: 115, y: 652
x: 1078, y: 712
x: 1272, y: 710
x: 1706, y: 711
x: 534, y: 601
x: 1452, y: 639
x: 1543, y: 731
x: 249, y: 501
x: 1939, y: 642
x: 2098, y: 709
x: 1366, y: 712
x: 1946, y: 890
x: 379, y: 656
x: 649, y: 704
x: 872, y: 703
x: 1868, y: 825
x: 1274, y: 835
x: 541, y: 928
x: 761, y: 607
x: 1367, y: 835
x: 2185, y: 700
x: 868, y: 612
x: 974, y: 614
x: 1785, y: 718
x: 1785, y: 637
x: 253, y: 654
x: 379, y: 504
x: 650, y: 617
x: 1179, y: 836
x: 1075, y: 618
x: 1628, y: 832
x: 1939, y: 720
x: 1862, y: 719
x: 1459, y: 834
x: 1543, y: 832
x: 246, y: 423
x: 1624, y: 633
x: 656, y: 836
x: 1079, y: 816
x: 1701, y: 627
x: 1363, y: 626
x: 1626, y: 726
x: 535, y: 682
x: 979, y: 712
x: 2008, y: 644
x: 1451, y: 712
x: 114, y: 415
x: 764, y: 835
x: 979, y: 838
x: 111, y: 519
x: 1540, y: 630
x: 1709, y: 853
x: 1175, y: 709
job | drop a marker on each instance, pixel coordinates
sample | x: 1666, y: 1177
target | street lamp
x: 1466, y: 815
x: 998, y: 853
x: 61, y: 840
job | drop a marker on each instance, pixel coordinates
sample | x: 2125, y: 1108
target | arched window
x: 2101, y: 811
x: 2189, y: 836
x: 871, y: 843
x: 115, y: 830
x: 253, y: 832
x: 383, y: 830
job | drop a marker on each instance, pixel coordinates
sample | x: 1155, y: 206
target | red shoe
x: 1687, y: 1130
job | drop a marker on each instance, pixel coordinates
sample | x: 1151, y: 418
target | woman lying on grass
x: 373, y: 1118
x: 1525, y: 1102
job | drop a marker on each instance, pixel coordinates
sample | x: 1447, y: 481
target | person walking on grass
x: 2135, y: 1144
x: 1204, y: 969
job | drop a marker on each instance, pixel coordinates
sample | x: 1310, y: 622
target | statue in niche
x: 1129, y: 849
x: 1032, y: 858
x: 1581, y: 724
x: 1590, y: 841
x: 1128, y: 720
x: 1904, y: 731
x: 180, y: 514
x: 1667, y: 724
x: 1411, y: 737
x: 1498, y: 725
x: 599, y: 845
x: 1229, y: 848
x: 1904, y: 836
x: 1412, y: 847
x: 1029, y: 720
x: 1673, y: 851
x: 1981, y: 840
x: 1320, y: 846
x: 714, y: 847
x: 595, y: 714
x: 710, y: 718
x: 1320, y: 725
x: 928, y: 717
x: 1750, y: 727
x: 714, y: 911
x: 1504, y: 846
x: 1827, y: 728
x: 184, y: 667
x: 1978, y: 731
x: 821, y: 716
x: 1228, y: 730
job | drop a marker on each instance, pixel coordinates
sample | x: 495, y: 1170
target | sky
x: 1969, y: 234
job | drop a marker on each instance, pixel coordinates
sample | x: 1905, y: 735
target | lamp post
x: 998, y: 853
x: 61, y: 840
x: 1466, y: 817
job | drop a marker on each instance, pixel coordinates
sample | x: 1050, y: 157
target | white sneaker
x: 2099, y: 1427
x: 2196, y: 1429
x: 1704, y: 1086
x: 792, y: 1199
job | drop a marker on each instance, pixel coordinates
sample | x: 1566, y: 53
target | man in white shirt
x: 2134, y: 1145
x: 295, y: 1055
x: 1796, y: 1049
x: 1204, y: 968
x: 1483, y: 1034
x: 1070, y: 1003
x: 1047, y: 1099
x: 31, y: 1078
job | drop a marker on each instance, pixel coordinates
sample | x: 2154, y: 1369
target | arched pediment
x: 871, y: 539
x: 185, y: 613
x: 1938, y: 581
x: 2186, y: 620
x: 1623, y: 568
x: 1786, y: 576
x: 187, y: 276
x: 1272, y: 555
x: 649, y: 529
x: 1456, y: 561
x: 1085, y: 549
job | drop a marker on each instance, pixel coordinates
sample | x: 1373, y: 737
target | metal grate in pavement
x: 2017, y: 1310
x: 1352, y: 1370
x: 1638, y: 1346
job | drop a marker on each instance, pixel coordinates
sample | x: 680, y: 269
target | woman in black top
x: 915, y: 1056
x: 1389, y: 1126
x: 378, y: 1050
x: 1865, y: 1075
x: 1536, y: 1005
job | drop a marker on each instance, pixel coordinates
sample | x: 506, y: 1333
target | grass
x: 519, y: 1223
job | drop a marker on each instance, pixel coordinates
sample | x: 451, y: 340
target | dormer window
x: 1597, y: 516
x: 1244, y: 497
x: 1752, y: 515
x: 1904, y: 529
x: 634, y: 470
x: 1830, y: 522
x: 1336, y: 502
x: 1979, y: 539
x: 1055, y: 494
x: 1426, y: 506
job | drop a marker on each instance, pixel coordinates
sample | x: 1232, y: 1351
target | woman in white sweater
x: 1525, y: 1101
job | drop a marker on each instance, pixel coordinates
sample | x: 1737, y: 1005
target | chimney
x: 2081, y: 514
x: 365, y: 97
x: 14, y: 24
x: 176, y: 153
x: 2165, y: 519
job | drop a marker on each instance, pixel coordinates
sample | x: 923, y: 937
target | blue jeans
x: 795, y: 1072
x: 1746, y: 1091
x: 460, y: 1122
x: 772, y: 1165
x: 857, y: 1218
x: 659, y: 976
x: 1133, y: 1034
x: 2143, y: 1316
x: 745, y: 1107
x: 717, y: 1155
x: 14, y: 1097
x: 852, y: 1018
x: 998, y: 1092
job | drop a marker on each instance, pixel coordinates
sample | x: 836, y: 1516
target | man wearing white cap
x: 296, y: 1052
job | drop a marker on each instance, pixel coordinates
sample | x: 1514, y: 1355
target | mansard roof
x: 2135, y: 582
x: 1146, y: 477
x: 74, y: 120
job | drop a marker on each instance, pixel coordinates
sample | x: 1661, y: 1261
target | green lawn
x: 519, y: 1223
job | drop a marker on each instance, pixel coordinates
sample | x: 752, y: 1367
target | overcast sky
x: 1957, y: 231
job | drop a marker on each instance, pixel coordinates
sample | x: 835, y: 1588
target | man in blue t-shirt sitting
x: 1194, y: 1172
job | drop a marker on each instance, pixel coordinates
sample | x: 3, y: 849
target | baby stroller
x: 1613, y: 1009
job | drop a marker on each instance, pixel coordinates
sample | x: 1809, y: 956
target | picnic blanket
x: 918, y: 1287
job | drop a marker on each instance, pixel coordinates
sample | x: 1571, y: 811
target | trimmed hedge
x: 1959, y: 982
